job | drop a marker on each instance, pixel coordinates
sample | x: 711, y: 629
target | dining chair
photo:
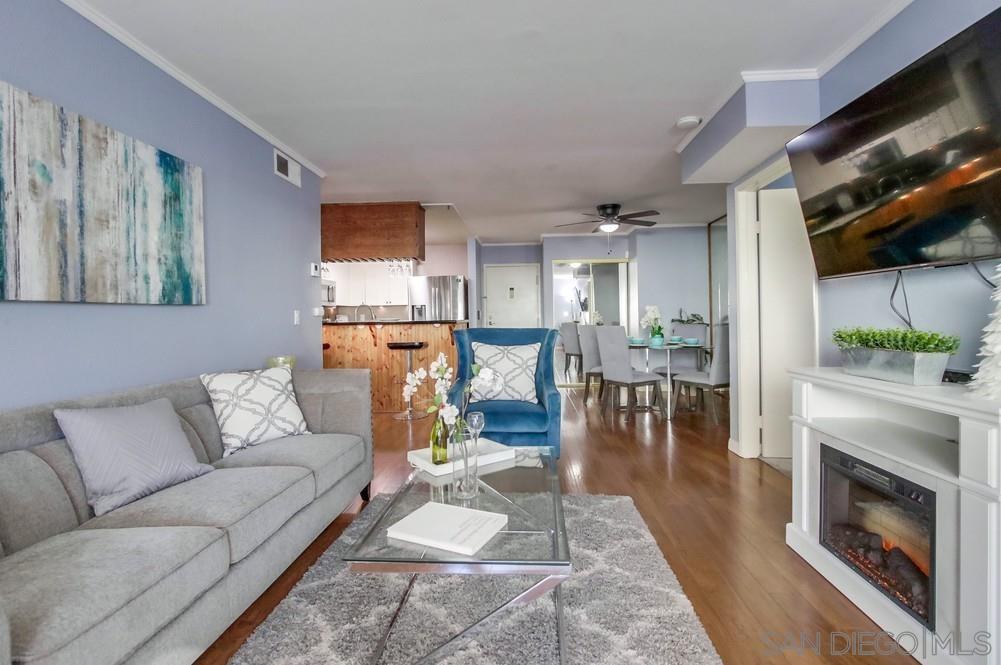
x: 717, y: 376
x: 617, y: 371
x: 591, y: 360
x: 571, y: 346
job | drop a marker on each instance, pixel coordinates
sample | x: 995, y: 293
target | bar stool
x: 409, y: 347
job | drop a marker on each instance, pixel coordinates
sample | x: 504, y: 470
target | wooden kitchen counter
x: 363, y: 345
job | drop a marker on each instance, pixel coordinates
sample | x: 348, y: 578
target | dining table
x: 701, y: 351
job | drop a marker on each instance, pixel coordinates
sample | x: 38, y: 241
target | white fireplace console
x: 941, y: 438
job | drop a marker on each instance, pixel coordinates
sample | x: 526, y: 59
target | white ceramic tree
x: 987, y: 381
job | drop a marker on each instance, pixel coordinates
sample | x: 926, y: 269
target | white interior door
x: 787, y: 287
x: 511, y: 296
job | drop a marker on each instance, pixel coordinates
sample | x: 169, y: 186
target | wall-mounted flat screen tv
x: 909, y: 174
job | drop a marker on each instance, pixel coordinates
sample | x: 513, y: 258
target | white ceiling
x: 521, y: 113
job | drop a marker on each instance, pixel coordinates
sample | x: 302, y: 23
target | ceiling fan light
x: 609, y: 227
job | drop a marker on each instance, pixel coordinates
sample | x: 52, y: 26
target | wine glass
x: 475, y: 421
x: 467, y: 481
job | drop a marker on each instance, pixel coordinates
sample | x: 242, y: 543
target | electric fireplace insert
x: 883, y: 527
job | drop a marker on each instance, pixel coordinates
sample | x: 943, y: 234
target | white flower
x: 486, y: 382
x: 422, y: 373
x: 441, y: 387
x: 448, y: 413
x: 408, y: 391
x: 651, y: 318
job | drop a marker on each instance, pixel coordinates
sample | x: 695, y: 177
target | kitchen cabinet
x: 349, y: 283
x: 366, y: 283
x: 381, y: 288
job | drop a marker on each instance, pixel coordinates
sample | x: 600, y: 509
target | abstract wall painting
x: 88, y: 214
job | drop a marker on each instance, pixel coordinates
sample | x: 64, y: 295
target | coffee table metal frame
x: 553, y: 572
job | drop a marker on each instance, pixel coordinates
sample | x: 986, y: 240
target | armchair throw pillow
x: 516, y: 364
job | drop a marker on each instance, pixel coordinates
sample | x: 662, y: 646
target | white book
x: 446, y: 527
x: 487, y: 452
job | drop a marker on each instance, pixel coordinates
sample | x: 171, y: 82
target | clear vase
x: 439, y: 442
x: 465, y: 479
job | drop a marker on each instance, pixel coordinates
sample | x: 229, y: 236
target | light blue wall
x: 673, y: 270
x: 756, y: 105
x: 260, y: 232
x: 952, y: 300
x: 720, y: 129
x: 673, y: 273
x: 502, y: 254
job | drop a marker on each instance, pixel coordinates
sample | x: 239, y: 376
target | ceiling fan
x: 609, y: 218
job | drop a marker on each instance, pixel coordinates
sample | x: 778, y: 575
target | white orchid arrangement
x: 484, y: 381
x: 652, y: 320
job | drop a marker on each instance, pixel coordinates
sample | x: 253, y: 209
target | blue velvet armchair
x: 512, y: 422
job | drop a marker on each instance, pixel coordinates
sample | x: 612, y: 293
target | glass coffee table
x: 534, y: 543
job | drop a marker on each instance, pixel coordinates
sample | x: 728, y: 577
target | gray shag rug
x: 622, y: 604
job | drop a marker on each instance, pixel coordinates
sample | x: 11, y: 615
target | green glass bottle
x: 439, y: 442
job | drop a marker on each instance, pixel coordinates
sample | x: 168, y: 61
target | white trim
x: 861, y: 35
x: 826, y: 65
x: 510, y: 244
x: 748, y: 365
x: 83, y: 8
x: 764, y: 75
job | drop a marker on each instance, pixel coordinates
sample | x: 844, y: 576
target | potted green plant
x: 651, y: 319
x: 915, y: 357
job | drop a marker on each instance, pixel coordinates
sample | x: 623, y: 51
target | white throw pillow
x: 516, y: 364
x: 254, y: 407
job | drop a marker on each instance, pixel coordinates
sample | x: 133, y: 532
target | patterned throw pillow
x: 515, y: 363
x: 254, y: 407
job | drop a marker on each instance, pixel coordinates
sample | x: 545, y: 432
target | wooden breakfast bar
x: 363, y: 344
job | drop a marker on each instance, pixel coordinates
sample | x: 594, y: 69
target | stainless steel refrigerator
x: 438, y: 298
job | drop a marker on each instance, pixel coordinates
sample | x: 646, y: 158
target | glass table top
x: 526, y: 489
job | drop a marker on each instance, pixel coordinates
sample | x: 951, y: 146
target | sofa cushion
x: 329, y: 456
x: 250, y: 504
x: 512, y: 416
x: 93, y: 596
x: 33, y: 502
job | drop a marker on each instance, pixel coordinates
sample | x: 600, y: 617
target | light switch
x: 295, y: 317
x: 314, y: 269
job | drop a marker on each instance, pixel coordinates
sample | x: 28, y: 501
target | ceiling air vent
x: 287, y: 168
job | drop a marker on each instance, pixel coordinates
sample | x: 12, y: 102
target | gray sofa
x: 158, y: 580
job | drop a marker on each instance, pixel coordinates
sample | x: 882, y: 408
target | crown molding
x: 763, y: 75
x: 826, y: 65
x: 861, y: 35
x: 131, y: 41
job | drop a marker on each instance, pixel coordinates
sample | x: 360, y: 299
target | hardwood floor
x: 719, y: 520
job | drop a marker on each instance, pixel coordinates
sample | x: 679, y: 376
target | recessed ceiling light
x: 575, y: 265
x: 689, y: 122
x: 609, y: 227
